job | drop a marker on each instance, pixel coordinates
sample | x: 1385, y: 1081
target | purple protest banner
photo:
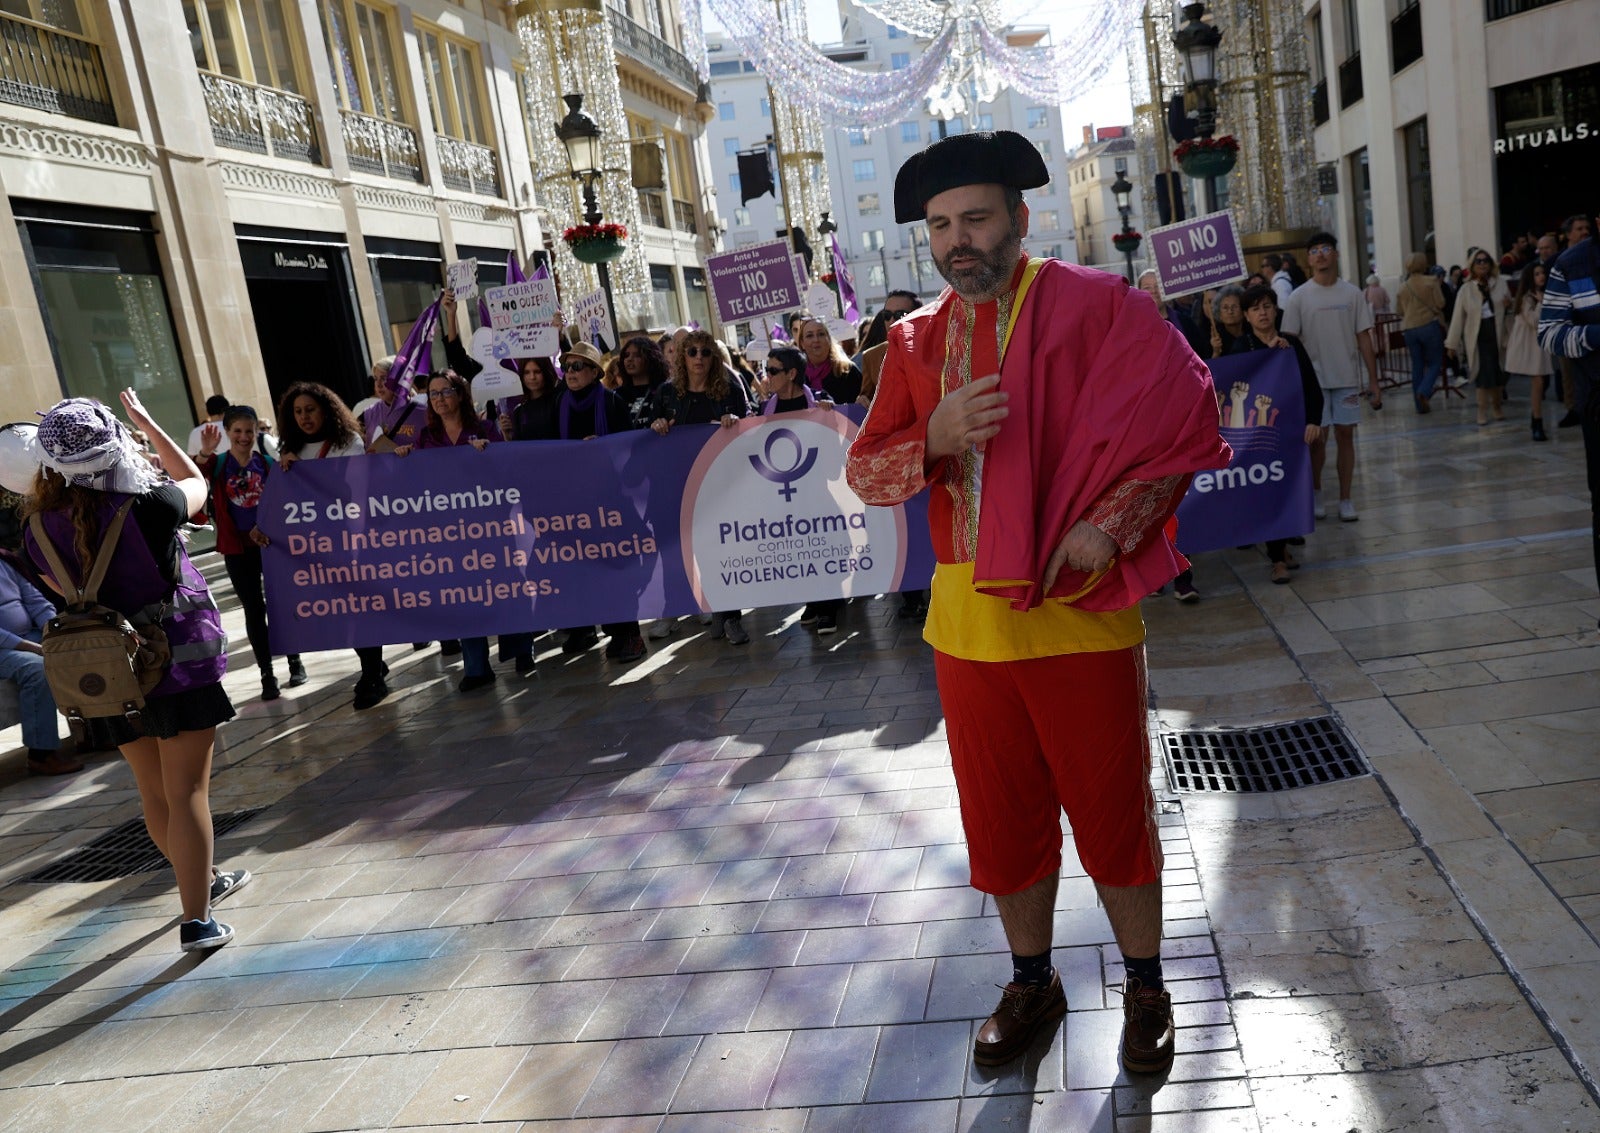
x: 522, y: 536
x: 1265, y: 492
x: 1197, y: 254
x: 847, y: 285
x: 750, y: 282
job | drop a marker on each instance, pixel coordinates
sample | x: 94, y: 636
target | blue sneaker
x: 224, y: 882
x: 202, y: 936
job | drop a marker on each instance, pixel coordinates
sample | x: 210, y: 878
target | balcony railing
x: 260, y: 119
x: 1405, y: 38
x: 652, y: 208
x: 49, y: 69
x: 1350, y: 82
x: 381, y: 147
x: 683, y: 218
x: 468, y: 167
x: 1500, y: 9
x: 1319, y: 102
x: 640, y: 43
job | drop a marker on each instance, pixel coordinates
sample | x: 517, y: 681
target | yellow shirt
x: 973, y: 626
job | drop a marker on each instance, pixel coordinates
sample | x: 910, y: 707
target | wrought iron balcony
x: 381, y: 147
x: 683, y: 218
x: 1500, y: 9
x: 50, y: 69
x: 652, y: 208
x: 1405, y: 38
x: 1319, y: 103
x: 260, y: 119
x: 638, y: 42
x: 1350, y: 91
x: 468, y: 167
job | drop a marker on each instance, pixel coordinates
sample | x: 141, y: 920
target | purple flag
x: 414, y: 359
x: 847, y: 286
x: 778, y: 333
x: 514, y: 269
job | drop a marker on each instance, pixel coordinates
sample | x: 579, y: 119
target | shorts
x: 1341, y: 406
x: 1031, y: 738
x: 193, y: 710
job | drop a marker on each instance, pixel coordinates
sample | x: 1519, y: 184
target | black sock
x: 1146, y: 971
x: 1034, y: 970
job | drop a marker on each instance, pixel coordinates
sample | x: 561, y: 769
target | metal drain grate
x: 126, y: 850
x: 1248, y: 760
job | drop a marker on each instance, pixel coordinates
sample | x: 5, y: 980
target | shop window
x: 453, y: 76
x: 699, y: 300
x: 105, y: 306
x: 251, y: 40
x: 407, y: 275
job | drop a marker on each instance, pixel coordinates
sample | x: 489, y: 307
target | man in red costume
x: 1056, y: 418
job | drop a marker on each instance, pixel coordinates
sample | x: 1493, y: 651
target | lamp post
x: 580, y: 134
x: 1122, y: 190
x: 1197, y: 42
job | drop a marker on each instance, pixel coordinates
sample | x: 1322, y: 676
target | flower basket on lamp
x: 1207, y: 157
x: 596, y: 243
x: 1126, y: 242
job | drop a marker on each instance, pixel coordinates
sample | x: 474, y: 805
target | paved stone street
x: 725, y: 889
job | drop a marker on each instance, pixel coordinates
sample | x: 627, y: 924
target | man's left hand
x: 1085, y: 547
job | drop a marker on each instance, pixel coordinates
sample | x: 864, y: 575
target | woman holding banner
x: 1260, y: 305
x: 827, y: 367
x: 237, y: 478
x: 702, y: 393
x: 453, y: 421
x: 644, y: 369
x: 318, y: 426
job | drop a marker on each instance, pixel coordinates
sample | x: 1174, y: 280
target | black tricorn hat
x: 1001, y: 157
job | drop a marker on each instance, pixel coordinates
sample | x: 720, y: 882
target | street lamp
x: 1126, y: 240
x: 1197, y: 41
x: 580, y: 134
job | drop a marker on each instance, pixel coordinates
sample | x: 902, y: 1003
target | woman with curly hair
x: 644, y: 368
x: 93, y: 473
x: 702, y: 392
x: 318, y: 426
x: 827, y: 367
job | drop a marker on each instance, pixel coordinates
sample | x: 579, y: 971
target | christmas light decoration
x: 569, y: 50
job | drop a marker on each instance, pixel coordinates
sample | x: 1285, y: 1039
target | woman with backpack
x: 92, y: 473
x: 237, y: 478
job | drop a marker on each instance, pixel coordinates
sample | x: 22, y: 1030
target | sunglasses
x: 777, y: 370
x: 698, y: 351
x: 574, y: 366
x: 1481, y: 260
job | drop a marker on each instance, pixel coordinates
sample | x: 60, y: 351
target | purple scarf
x: 771, y: 405
x: 595, y: 402
x: 818, y: 372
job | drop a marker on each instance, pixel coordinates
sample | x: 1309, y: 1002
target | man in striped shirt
x: 1569, y: 327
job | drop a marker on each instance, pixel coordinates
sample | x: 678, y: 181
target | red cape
x: 1101, y: 389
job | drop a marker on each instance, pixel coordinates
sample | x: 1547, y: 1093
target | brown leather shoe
x: 53, y: 763
x: 1023, y: 1010
x: 1147, y: 1032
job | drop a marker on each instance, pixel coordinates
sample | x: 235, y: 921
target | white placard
x: 821, y: 301
x: 495, y: 382
x: 527, y: 342
x: 532, y: 303
x: 841, y: 329
x: 481, y: 348
x: 592, y: 317
x: 757, y: 349
x: 462, y: 276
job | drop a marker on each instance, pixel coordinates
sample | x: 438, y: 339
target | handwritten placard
x: 532, y: 303
x: 462, y: 276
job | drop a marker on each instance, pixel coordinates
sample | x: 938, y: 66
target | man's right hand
x: 968, y: 416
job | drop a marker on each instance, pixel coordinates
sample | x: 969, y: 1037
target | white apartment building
x: 1444, y: 124
x: 226, y: 196
x: 1092, y: 168
x: 882, y: 255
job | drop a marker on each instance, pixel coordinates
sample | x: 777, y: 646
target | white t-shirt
x: 193, y: 445
x: 355, y: 447
x: 1282, y: 287
x: 1327, y: 321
